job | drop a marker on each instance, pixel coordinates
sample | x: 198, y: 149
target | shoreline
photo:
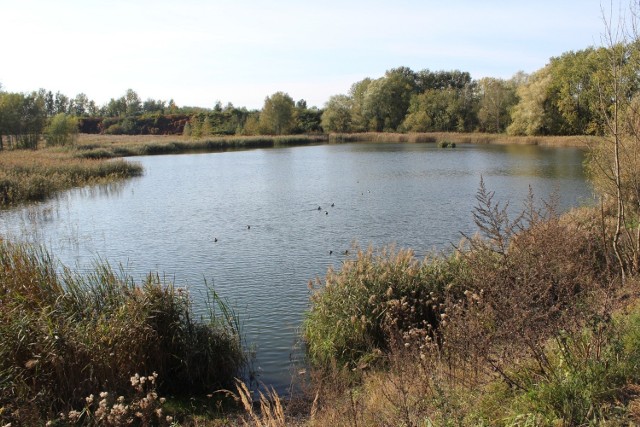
x: 111, y: 146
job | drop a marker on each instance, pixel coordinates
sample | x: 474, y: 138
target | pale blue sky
x: 198, y: 52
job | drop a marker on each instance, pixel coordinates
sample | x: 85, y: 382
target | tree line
x: 562, y: 98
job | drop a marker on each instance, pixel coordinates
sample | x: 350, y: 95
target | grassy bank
x: 464, y: 138
x: 66, y: 339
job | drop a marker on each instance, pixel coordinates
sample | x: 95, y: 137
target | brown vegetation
x: 528, y: 332
x: 463, y: 138
x: 64, y: 336
x: 27, y: 175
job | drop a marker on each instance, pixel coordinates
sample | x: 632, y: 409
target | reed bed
x: 464, y: 138
x: 107, y: 146
x: 65, y: 336
x: 27, y: 175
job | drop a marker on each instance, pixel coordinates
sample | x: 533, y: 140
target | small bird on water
x: 248, y: 227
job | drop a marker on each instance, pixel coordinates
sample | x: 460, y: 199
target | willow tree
x: 529, y: 117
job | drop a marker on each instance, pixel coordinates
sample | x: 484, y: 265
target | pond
x: 259, y: 224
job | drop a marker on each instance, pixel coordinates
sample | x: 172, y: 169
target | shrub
x: 529, y: 278
x: 374, y: 299
x: 62, y: 130
x: 589, y: 379
x: 114, y: 129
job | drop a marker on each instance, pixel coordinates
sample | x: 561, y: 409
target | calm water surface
x: 412, y: 195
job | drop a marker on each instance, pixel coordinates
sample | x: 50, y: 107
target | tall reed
x: 36, y: 175
x: 64, y: 335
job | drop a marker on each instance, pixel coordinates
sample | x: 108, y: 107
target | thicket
x: 516, y: 327
x: 65, y: 337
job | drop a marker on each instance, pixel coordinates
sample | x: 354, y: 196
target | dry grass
x: 135, y: 145
x: 464, y: 138
x: 27, y: 175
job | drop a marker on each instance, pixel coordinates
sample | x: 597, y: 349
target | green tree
x: 251, y: 125
x: 207, y: 129
x: 196, y: 126
x: 153, y: 106
x: 440, y: 80
x: 133, y: 104
x: 62, y: 130
x: 60, y: 103
x: 337, y: 114
x: 115, y: 107
x: 441, y: 110
x: 277, y: 116
x: 496, y: 99
x: 307, y: 120
x: 529, y: 116
x: 387, y: 99
x: 357, y: 92
x: 49, y: 104
x: 80, y: 105
x: 10, y: 116
x: 573, y: 94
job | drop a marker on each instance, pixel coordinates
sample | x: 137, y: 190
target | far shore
x: 97, y: 145
x: 466, y: 138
